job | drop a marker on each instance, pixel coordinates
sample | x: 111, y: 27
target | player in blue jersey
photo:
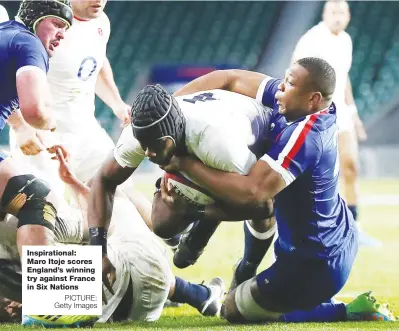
x: 25, y: 47
x: 317, y: 242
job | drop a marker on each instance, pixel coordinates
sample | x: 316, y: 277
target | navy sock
x: 201, y: 233
x: 254, y: 252
x: 326, y: 312
x: 353, y: 209
x: 193, y: 294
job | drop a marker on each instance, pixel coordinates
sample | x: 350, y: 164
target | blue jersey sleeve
x: 29, y: 51
x: 297, y: 149
x: 267, y: 91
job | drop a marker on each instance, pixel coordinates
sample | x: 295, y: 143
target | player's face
x: 336, y: 16
x: 50, y: 31
x: 159, y: 151
x: 88, y: 9
x: 293, y: 94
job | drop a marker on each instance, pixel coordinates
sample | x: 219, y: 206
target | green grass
x: 375, y: 269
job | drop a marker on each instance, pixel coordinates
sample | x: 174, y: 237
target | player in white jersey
x: 224, y: 130
x: 3, y: 14
x: 329, y: 40
x: 143, y: 280
x: 76, y: 74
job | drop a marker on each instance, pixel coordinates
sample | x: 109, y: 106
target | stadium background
x: 174, y: 42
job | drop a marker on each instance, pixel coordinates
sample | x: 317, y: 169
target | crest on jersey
x: 100, y: 31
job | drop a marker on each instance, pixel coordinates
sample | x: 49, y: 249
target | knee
x: 230, y: 311
x: 264, y: 225
x: 161, y: 226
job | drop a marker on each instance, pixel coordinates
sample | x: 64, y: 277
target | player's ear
x: 315, y: 99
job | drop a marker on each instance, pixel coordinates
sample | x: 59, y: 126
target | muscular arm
x: 108, y: 92
x: 101, y: 197
x: 252, y: 191
x: 238, y: 81
x: 350, y: 102
x: 226, y: 212
x: 35, y: 99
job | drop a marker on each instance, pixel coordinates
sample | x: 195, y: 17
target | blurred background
x: 173, y: 42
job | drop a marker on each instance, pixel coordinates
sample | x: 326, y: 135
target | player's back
x: 220, y: 112
x: 313, y: 220
x: 73, y: 73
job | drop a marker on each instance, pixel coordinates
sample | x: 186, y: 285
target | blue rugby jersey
x: 19, y: 48
x: 313, y: 220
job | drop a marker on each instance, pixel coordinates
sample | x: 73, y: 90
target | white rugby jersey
x: 3, y: 14
x: 73, y: 73
x: 225, y: 130
x: 335, y: 49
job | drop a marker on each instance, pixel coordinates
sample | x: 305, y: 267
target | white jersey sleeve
x: 224, y: 150
x: 128, y: 152
x: 3, y: 14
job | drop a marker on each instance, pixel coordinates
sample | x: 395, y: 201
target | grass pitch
x: 375, y: 269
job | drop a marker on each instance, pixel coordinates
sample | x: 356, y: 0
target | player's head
x: 88, y: 9
x: 336, y: 15
x: 158, y: 123
x: 48, y: 19
x: 308, y: 87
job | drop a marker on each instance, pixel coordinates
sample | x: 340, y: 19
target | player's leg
x: 259, y: 236
x: 30, y: 200
x: 291, y: 284
x: 166, y: 222
x: 206, y: 298
x: 349, y: 153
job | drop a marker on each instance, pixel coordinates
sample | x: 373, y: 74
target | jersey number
x: 201, y: 97
x: 87, y: 67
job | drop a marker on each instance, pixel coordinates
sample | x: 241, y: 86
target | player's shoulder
x: 347, y: 38
x: 105, y: 24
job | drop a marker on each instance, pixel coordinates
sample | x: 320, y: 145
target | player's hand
x: 14, y: 310
x: 361, y: 133
x: 122, y: 111
x: 29, y: 140
x: 173, y: 166
x: 109, y: 276
x: 359, y: 128
x: 173, y: 199
x: 65, y: 172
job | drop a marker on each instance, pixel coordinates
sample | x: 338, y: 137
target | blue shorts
x: 292, y: 283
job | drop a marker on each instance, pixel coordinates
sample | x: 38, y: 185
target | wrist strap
x: 98, y: 237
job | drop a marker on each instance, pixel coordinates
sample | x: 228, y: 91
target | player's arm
x: 251, y: 191
x: 28, y: 139
x: 101, y: 197
x: 34, y: 98
x: 31, y: 81
x: 228, y: 212
x: 238, y: 81
x: 350, y: 102
x: 290, y: 156
x: 118, y: 167
x: 108, y: 92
